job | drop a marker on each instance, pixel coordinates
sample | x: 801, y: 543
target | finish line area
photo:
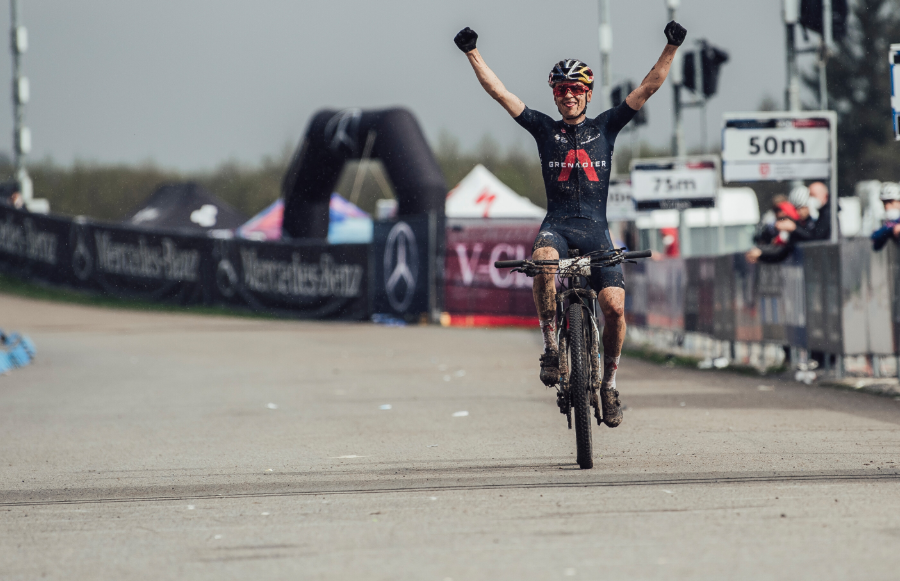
x: 171, y: 445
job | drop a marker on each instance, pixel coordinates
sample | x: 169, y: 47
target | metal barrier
x: 866, y: 296
x: 840, y: 299
x: 656, y: 294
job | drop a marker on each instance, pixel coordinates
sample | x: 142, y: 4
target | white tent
x: 481, y: 195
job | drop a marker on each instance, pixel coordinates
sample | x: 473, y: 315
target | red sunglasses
x: 577, y: 89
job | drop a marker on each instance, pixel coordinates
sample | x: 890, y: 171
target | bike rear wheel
x: 580, y: 383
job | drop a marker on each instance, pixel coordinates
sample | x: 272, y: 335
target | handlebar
x: 509, y: 263
x: 521, y: 263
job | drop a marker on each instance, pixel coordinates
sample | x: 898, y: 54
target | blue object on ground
x: 28, y: 344
x: 19, y: 357
x: 387, y: 320
x: 16, y: 350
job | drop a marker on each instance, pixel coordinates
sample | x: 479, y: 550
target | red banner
x: 473, y: 285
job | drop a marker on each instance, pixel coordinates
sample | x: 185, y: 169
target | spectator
x: 890, y: 229
x: 814, y: 211
x: 820, y: 211
x: 670, y: 242
x: 11, y: 195
x: 776, y: 239
x: 799, y: 197
x: 805, y: 224
x: 766, y: 230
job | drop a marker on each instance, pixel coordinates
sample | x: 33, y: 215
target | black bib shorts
x: 586, y: 236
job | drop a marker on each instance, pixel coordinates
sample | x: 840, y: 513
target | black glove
x: 675, y: 33
x: 465, y: 39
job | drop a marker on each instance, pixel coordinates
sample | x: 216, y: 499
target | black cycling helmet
x: 571, y: 70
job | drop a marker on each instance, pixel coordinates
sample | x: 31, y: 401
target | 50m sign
x: 777, y: 147
x: 773, y: 145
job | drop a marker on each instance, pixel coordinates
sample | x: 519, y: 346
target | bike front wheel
x: 580, y: 383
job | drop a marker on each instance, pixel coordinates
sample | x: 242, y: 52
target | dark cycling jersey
x: 576, y: 160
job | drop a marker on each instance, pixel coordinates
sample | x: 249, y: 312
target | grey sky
x: 192, y: 83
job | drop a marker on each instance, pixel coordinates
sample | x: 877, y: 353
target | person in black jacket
x: 820, y: 211
x: 775, y: 241
x: 890, y: 228
x: 814, y: 211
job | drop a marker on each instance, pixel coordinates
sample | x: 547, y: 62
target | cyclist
x: 576, y: 155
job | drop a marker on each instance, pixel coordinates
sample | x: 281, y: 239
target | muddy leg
x: 612, y: 303
x: 544, y: 290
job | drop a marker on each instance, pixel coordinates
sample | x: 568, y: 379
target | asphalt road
x: 161, y: 446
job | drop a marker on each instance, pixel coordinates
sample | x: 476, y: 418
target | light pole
x: 677, y: 73
x: 792, y: 91
x: 606, y: 41
x: 827, y: 38
x: 677, y: 76
x: 21, y: 93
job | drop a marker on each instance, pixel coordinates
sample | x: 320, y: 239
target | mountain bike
x: 578, y: 335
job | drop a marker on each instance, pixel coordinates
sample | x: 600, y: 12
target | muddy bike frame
x: 578, y: 340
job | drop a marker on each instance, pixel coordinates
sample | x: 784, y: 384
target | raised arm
x: 675, y: 34
x: 465, y: 40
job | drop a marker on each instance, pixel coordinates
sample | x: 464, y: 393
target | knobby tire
x: 579, y: 384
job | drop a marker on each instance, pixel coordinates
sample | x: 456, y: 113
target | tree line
x: 858, y: 85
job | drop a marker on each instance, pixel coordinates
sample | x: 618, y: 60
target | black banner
x: 35, y: 247
x: 307, y: 280
x: 402, y: 252
x: 316, y: 280
x: 679, y: 204
x: 128, y: 263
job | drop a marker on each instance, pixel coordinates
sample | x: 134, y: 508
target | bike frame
x: 579, y: 291
x: 576, y: 270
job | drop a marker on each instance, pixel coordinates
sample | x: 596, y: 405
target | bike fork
x: 563, y: 393
x: 596, y: 372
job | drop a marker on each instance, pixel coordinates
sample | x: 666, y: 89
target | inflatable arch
x: 390, y: 135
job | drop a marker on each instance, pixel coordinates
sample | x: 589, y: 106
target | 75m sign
x: 674, y: 184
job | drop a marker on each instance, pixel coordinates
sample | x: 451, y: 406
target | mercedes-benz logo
x: 342, y: 130
x: 82, y: 262
x: 401, y: 263
x: 226, y: 278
